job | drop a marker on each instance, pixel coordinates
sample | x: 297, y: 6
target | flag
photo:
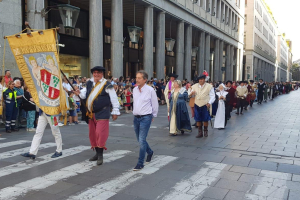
x: 37, y: 58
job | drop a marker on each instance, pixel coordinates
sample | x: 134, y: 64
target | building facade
x: 208, y: 36
x: 260, y: 42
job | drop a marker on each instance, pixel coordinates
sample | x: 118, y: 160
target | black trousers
x: 260, y: 96
x: 228, y: 110
x: 251, y: 102
x: 240, y: 103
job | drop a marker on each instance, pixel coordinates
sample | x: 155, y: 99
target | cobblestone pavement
x: 256, y: 157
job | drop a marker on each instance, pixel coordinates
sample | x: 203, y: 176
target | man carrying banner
x: 99, y: 94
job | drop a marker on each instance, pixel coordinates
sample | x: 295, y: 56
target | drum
x: 253, y: 96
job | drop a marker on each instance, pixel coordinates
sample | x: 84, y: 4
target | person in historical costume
x: 232, y: 99
x: 204, y: 97
x: 192, y: 102
x: 266, y: 92
x: 223, y: 98
x: 252, y: 92
x: 99, y: 95
x: 248, y: 98
x: 261, y: 89
x: 271, y: 91
x: 169, y: 88
x: 179, y: 114
x: 241, y: 94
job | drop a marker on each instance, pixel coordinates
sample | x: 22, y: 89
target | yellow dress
x: 173, y: 127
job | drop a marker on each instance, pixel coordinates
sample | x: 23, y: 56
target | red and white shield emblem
x: 49, y: 84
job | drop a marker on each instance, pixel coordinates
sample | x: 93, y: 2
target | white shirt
x: 67, y: 86
x: 112, y: 95
x: 212, y: 96
x: 145, y: 101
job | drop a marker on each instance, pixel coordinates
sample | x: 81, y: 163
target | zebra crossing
x: 190, y: 187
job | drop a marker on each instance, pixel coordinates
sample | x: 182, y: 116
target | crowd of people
x: 140, y: 96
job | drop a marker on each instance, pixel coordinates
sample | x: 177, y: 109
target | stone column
x: 254, y: 68
x: 207, y: 54
x: 217, y: 69
x: 34, y: 17
x: 180, y: 50
x: 228, y: 58
x: 201, y: 52
x: 116, y: 48
x: 96, y: 33
x: 148, y: 41
x: 160, y: 45
x: 259, y: 69
x: 188, y: 52
x: 221, y: 60
x: 231, y: 62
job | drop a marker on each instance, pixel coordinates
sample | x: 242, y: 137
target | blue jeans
x: 30, y: 119
x: 141, y: 128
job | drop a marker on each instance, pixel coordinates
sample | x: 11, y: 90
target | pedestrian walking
x: 179, y: 114
x: 100, y: 95
x: 145, y: 108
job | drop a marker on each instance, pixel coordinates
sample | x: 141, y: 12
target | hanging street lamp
x: 169, y: 41
x: 69, y: 15
x: 134, y: 31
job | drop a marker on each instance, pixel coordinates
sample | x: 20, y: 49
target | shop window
x: 74, y: 65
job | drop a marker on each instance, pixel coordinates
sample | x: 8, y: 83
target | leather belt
x: 140, y: 116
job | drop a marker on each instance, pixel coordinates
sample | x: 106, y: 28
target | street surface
x: 257, y: 157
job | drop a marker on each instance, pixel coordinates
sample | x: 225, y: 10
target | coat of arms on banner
x: 37, y: 59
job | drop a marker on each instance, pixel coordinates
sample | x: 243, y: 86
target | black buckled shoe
x: 28, y: 155
x: 100, y: 156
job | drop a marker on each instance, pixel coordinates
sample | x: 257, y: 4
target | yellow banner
x: 38, y: 62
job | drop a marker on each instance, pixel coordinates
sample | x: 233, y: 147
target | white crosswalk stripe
x: 16, y: 152
x: 53, y: 177
x: 2, y: 138
x: 44, y: 159
x: 194, y: 186
x: 8, y: 144
x: 110, y: 188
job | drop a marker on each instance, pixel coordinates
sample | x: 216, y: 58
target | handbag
x: 1, y: 110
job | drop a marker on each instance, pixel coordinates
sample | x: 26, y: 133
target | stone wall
x: 10, y: 23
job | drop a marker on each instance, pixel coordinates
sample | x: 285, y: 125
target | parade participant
x: 43, y: 120
x: 205, y: 96
x: 223, y: 98
x: 231, y: 102
x: 248, y: 98
x: 267, y: 89
x: 241, y: 94
x: 11, y: 111
x: 179, y: 115
x: 169, y: 88
x: 192, y: 102
x: 145, y: 108
x: 99, y: 95
x: 252, y: 92
x: 261, y: 90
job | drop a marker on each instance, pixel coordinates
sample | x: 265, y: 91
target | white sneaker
x: 60, y: 124
x: 31, y: 129
x: 71, y: 124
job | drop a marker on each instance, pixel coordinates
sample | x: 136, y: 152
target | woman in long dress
x: 222, y: 97
x: 179, y: 115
